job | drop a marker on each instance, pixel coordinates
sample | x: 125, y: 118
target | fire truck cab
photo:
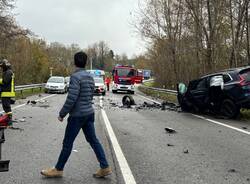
x: 123, y: 79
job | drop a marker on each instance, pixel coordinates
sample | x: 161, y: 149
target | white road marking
x: 125, y: 169
x: 18, y: 106
x: 222, y: 124
x: 209, y: 120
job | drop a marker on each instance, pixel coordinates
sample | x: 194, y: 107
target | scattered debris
x: 169, y: 145
x: 170, y: 130
x: 129, y: 102
x: 40, y: 95
x: 232, y: 170
x: 31, y: 102
x: 244, y: 128
x: 40, y: 103
x: 22, y: 120
x: 248, y: 179
x: 186, y: 151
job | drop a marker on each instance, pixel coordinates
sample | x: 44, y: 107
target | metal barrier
x: 29, y: 86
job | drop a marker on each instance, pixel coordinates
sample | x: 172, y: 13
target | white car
x: 56, y: 84
x: 100, y: 87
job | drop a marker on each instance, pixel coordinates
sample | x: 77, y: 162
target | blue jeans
x: 73, y: 127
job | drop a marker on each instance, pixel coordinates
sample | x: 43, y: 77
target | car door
x: 198, y: 92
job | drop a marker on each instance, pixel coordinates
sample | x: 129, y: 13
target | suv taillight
x: 242, y: 81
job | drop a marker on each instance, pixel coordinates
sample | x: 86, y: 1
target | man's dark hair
x: 80, y: 59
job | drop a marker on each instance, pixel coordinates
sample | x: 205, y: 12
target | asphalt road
x: 200, y: 151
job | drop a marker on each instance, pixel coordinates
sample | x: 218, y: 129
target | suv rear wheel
x: 229, y: 109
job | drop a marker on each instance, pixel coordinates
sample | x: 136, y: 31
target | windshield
x: 125, y: 72
x: 98, y: 80
x: 56, y: 80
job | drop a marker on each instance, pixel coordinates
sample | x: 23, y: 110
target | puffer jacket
x: 80, y: 95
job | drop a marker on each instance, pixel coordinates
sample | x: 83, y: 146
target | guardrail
x: 161, y: 90
x: 29, y: 86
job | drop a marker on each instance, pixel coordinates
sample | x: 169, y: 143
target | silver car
x: 56, y: 84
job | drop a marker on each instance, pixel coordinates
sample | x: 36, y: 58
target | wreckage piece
x: 128, y: 101
x: 170, y: 130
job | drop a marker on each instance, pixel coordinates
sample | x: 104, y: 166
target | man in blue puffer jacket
x: 81, y: 116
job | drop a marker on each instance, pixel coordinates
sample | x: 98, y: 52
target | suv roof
x: 230, y: 70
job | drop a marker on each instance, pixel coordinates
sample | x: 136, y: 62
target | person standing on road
x: 7, y: 87
x: 81, y: 116
x: 107, y: 81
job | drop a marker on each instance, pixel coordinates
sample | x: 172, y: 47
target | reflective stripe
x: 1, y: 81
x: 12, y: 92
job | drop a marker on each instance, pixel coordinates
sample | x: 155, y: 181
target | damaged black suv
x: 223, y: 93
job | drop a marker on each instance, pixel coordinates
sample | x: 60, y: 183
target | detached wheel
x: 229, y: 109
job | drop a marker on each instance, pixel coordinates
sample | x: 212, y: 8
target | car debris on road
x: 128, y: 102
x: 170, y: 130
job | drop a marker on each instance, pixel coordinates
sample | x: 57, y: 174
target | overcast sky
x: 83, y: 22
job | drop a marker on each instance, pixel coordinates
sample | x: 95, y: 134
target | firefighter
x: 107, y: 81
x: 7, y: 87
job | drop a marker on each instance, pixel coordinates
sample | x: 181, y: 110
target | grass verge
x: 161, y: 95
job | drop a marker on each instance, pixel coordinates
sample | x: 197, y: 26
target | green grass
x: 149, y: 84
x: 245, y: 114
x: 28, y: 92
x: 161, y: 95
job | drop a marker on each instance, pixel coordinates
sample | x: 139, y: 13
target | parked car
x: 100, y: 87
x: 224, y: 93
x: 67, y: 79
x: 56, y: 84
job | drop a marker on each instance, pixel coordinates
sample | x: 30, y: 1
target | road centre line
x: 203, y: 118
x: 125, y: 169
x: 18, y: 106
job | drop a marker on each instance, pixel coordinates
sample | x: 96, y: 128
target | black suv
x: 223, y: 93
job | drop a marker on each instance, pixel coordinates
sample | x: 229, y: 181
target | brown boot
x: 103, y: 172
x: 52, y: 173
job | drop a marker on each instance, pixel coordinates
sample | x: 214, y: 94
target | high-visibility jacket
x: 7, y: 84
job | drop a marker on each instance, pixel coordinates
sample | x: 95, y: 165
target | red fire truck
x: 139, y: 76
x: 124, y: 79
